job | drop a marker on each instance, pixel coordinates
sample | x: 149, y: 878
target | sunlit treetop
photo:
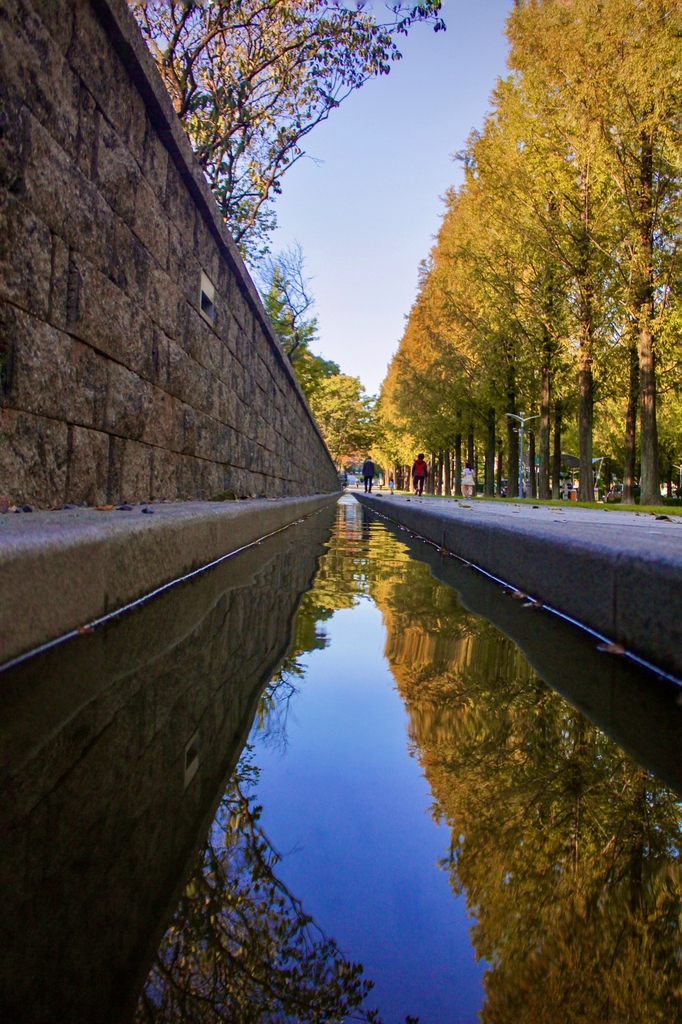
x: 251, y: 78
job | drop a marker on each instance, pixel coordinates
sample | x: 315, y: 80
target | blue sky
x: 367, y: 210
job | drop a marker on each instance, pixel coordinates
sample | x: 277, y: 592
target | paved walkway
x: 619, y: 573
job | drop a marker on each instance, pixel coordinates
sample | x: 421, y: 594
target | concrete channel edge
x: 633, y: 601
x: 63, y: 570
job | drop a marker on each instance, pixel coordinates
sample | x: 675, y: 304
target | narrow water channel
x: 339, y: 777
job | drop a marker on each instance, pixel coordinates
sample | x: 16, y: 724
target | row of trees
x: 553, y: 287
x: 565, y: 849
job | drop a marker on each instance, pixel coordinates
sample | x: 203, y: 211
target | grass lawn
x: 657, y: 510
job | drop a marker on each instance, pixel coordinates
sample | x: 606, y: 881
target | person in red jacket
x: 420, y: 471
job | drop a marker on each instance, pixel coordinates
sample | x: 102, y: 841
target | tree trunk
x: 585, y: 421
x: 489, y: 488
x: 631, y: 429
x: 446, y: 466
x: 648, y: 432
x: 500, y: 467
x: 471, y: 456
x: 458, y: 465
x: 585, y: 379
x: 556, y: 463
x: 644, y: 312
x: 512, y: 440
x: 531, y: 464
x: 545, y: 395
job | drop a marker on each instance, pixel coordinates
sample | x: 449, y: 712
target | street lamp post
x: 522, y: 422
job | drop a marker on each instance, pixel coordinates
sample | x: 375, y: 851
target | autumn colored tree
x: 250, y: 79
x: 553, y: 286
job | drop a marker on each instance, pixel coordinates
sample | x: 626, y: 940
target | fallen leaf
x: 611, y: 648
x: 519, y: 595
x: 104, y: 508
x: 85, y: 629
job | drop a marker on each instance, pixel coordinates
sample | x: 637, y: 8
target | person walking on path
x: 468, y: 481
x: 420, y: 471
x: 368, y: 474
x: 391, y: 485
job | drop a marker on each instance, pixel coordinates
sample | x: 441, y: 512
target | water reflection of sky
x: 566, y: 848
x: 349, y: 808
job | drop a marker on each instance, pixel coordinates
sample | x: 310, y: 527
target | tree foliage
x: 241, y: 946
x: 566, y: 851
x: 345, y: 415
x: 251, y: 78
x: 557, y: 257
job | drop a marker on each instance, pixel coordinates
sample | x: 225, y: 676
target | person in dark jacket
x: 368, y: 473
x: 420, y: 471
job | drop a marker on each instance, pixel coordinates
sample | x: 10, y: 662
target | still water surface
x: 457, y: 826
x: 338, y: 777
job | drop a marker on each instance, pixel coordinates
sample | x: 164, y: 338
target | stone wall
x: 100, y: 817
x: 114, y: 384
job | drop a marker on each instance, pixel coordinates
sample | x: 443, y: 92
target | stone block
x: 201, y: 342
x: 165, y: 303
x: 34, y: 67
x: 132, y: 264
x: 88, y: 466
x: 65, y: 200
x: 159, y: 424
x: 105, y: 318
x: 53, y: 374
x: 14, y: 141
x: 205, y: 249
x: 189, y: 478
x: 92, y: 57
x: 57, y: 17
x: 181, y: 371
x: 130, y: 465
x: 25, y: 257
x: 179, y: 206
x: 186, y: 428
x: 59, y: 282
x: 137, y: 129
x: 159, y: 358
x: 155, y: 163
x: 87, y: 143
x: 176, y: 254
x: 129, y: 400
x: 33, y: 458
x: 163, y: 475
x: 150, y: 223
x: 211, y: 477
x: 118, y: 175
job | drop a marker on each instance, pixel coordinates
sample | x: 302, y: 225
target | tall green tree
x: 345, y: 415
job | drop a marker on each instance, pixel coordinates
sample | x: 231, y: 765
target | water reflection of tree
x: 341, y: 579
x: 567, y: 851
x: 240, y: 947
